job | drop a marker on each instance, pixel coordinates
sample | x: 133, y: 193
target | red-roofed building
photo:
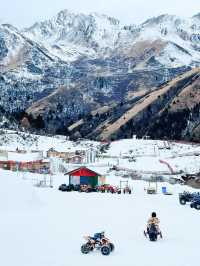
x: 85, y: 176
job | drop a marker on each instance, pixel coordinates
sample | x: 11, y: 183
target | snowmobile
x: 103, y: 244
x: 152, y: 233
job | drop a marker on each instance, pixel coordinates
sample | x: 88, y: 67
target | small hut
x: 85, y: 176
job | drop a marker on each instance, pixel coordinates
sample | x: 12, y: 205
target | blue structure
x: 164, y: 190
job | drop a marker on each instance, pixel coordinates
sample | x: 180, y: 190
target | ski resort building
x: 21, y: 160
x: 85, y: 176
x: 59, y: 154
x: 28, y: 166
x: 76, y: 159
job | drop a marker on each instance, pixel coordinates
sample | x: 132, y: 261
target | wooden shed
x: 85, y: 176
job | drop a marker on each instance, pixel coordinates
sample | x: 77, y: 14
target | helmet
x: 153, y: 214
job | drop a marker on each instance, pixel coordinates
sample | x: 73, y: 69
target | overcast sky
x: 23, y: 13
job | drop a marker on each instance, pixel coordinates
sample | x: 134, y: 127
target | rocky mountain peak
x: 164, y: 20
x: 66, y: 20
x: 111, y: 20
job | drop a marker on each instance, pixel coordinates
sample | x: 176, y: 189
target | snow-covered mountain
x: 25, y: 68
x: 182, y: 37
x: 70, y: 36
x: 62, y: 69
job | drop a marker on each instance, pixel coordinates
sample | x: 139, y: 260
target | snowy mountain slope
x: 11, y: 140
x: 184, y: 34
x: 102, y: 35
x: 78, y: 33
x: 24, y: 70
x: 15, y: 47
x: 60, y: 70
x: 169, y: 111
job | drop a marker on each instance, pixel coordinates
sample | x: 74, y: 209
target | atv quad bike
x: 104, y: 245
x: 186, y: 197
x: 196, y: 203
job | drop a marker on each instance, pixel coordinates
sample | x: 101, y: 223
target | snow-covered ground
x: 148, y: 153
x: 12, y: 140
x: 45, y: 227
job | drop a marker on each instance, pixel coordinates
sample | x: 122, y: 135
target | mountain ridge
x: 64, y: 68
x: 155, y: 113
x: 97, y: 32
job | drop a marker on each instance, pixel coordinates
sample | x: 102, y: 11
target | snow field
x: 45, y: 227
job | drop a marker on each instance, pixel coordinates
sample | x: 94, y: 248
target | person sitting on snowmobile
x: 153, y: 220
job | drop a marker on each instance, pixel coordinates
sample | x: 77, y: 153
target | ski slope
x: 45, y: 227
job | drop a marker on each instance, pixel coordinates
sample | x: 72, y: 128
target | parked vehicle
x: 65, y: 187
x: 118, y: 191
x: 104, y: 245
x: 91, y: 189
x: 87, y: 188
x: 102, y: 188
x: 127, y: 190
x: 187, y: 197
x: 113, y: 189
x: 76, y: 187
x: 83, y: 188
x: 151, y: 190
x: 196, y: 203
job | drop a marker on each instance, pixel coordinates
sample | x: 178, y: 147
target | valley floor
x: 45, y: 227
